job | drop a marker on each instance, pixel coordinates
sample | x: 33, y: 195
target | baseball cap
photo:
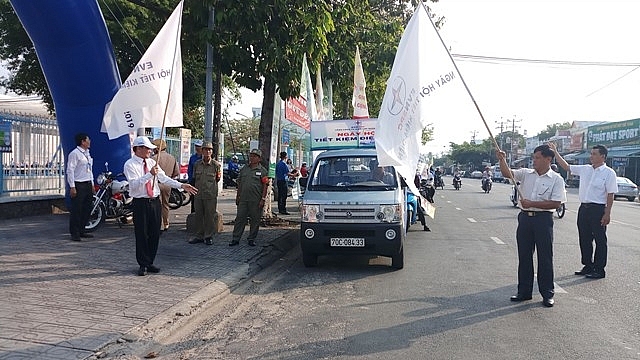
x: 256, y: 152
x: 198, y: 143
x: 143, y: 141
x: 207, y: 145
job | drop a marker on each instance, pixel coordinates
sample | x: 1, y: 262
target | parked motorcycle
x: 486, y: 185
x: 111, y: 200
x: 457, y: 182
x: 561, y: 210
x: 179, y: 197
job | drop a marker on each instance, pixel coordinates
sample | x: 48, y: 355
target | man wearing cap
x: 192, y: 160
x: 250, y: 198
x: 169, y: 165
x: 206, y: 175
x: 142, y: 172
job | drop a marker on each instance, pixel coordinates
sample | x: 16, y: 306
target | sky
x: 535, y: 94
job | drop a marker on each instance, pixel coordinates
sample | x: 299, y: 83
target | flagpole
x: 495, y: 143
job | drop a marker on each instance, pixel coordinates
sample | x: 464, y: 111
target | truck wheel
x: 397, y: 261
x: 309, y: 260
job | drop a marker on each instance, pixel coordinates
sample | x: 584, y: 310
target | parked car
x: 476, y: 174
x: 626, y: 188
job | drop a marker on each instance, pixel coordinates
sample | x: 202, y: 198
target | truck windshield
x: 349, y: 173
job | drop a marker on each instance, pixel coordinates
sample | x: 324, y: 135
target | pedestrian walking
x: 542, y: 192
x: 250, y: 198
x: 206, y: 173
x: 80, y: 180
x: 283, y: 172
x: 169, y: 165
x: 142, y: 172
x: 598, y: 185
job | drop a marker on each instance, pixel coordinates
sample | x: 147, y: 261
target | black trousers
x: 535, y: 233
x: 146, y: 225
x: 590, y: 229
x: 282, y: 195
x: 80, y: 208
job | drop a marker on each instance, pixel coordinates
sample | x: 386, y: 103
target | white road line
x: 448, y: 201
x: 497, y: 240
x: 556, y: 288
x: 471, y: 220
x: 458, y: 209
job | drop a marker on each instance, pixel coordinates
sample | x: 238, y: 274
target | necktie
x: 148, y: 185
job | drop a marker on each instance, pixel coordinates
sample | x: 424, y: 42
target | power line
x: 496, y: 59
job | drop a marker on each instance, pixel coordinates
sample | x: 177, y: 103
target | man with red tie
x: 143, y: 175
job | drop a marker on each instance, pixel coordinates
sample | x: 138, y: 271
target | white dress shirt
x: 134, y: 171
x: 596, y: 183
x: 79, y: 166
x: 534, y: 187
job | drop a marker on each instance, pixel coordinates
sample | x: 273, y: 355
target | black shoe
x: 519, y: 297
x: 153, y: 269
x: 195, y: 241
x: 548, y: 302
x: 75, y: 238
x: 285, y: 213
x: 208, y: 241
x: 142, y: 271
x: 585, y: 270
x: 86, y: 235
x: 426, y: 228
x: 595, y: 275
x: 234, y: 243
x: 252, y: 242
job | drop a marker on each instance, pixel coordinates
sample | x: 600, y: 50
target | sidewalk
x: 61, y: 299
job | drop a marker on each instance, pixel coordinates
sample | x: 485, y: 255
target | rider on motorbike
x: 486, y: 176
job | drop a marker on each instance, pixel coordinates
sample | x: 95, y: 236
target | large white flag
x: 306, y: 90
x: 153, y: 90
x: 359, y: 99
x: 424, y: 84
x: 319, y: 96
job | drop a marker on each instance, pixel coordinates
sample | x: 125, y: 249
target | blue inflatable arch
x: 76, y: 55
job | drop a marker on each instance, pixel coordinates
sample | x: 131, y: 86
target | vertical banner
x: 275, y: 129
x: 185, y: 152
x: 359, y: 99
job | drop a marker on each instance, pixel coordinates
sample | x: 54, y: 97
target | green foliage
x: 552, y: 129
x: 471, y: 156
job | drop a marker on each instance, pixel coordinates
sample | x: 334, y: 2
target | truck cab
x: 353, y: 206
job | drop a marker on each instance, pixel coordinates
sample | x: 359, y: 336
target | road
x: 451, y: 300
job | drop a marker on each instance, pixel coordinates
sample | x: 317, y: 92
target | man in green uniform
x: 206, y: 174
x: 252, y: 192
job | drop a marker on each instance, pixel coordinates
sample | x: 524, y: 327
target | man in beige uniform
x: 169, y: 165
x: 206, y: 173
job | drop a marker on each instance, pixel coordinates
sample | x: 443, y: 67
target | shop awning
x: 612, y: 153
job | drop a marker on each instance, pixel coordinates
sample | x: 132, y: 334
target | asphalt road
x: 451, y: 300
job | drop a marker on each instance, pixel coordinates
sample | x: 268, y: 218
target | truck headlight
x: 389, y: 213
x: 311, y: 213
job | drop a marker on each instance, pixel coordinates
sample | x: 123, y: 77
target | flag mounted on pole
x: 152, y: 94
x: 359, y: 99
x: 423, y: 86
x: 319, y: 96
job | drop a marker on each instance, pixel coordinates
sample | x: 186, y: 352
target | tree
x: 552, y: 129
x: 472, y: 156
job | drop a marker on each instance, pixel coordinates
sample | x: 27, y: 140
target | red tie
x: 148, y: 184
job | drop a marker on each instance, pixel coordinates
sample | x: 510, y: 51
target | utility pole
x: 512, y: 153
x: 502, y: 122
x: 473, y: 136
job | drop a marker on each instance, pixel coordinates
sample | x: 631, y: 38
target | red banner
x: 295, y: 110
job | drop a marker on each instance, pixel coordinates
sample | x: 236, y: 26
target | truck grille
x: 350, y: 214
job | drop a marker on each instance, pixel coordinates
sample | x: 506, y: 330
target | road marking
x: 458, y: 209
x: 471, y: 220
x: 497, y: 240
x: 448, y: 201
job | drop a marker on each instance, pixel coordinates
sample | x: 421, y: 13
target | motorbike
x: 415, y: 212
x: 111, y: 200
x: 438, y: 182
x: 427, y: 190
x: 179, y: 197
x: 229, y: 177
x: 514, y: 194
x: 486, y: 185
x: 457, y: 182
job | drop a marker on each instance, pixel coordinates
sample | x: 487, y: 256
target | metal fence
x: 34, y: 165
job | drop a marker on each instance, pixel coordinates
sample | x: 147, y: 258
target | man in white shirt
x: 542, y: 192
x: 598, y: 185
x: 142, y: 172
x: 80, y: 180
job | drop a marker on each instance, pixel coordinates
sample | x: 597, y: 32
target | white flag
x: 359, y: 99
x: 319, y: 96
x: 423, y: 85
x: 306, y: 90
x: 153, y: 87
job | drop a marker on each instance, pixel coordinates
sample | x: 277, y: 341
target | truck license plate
x: 347, y: 242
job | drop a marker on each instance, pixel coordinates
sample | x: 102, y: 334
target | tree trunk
x: 266, y: 121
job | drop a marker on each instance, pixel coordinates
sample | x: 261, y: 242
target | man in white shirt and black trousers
x: 542, y: 192
x: 80, y: 179
x: 142, y: 172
